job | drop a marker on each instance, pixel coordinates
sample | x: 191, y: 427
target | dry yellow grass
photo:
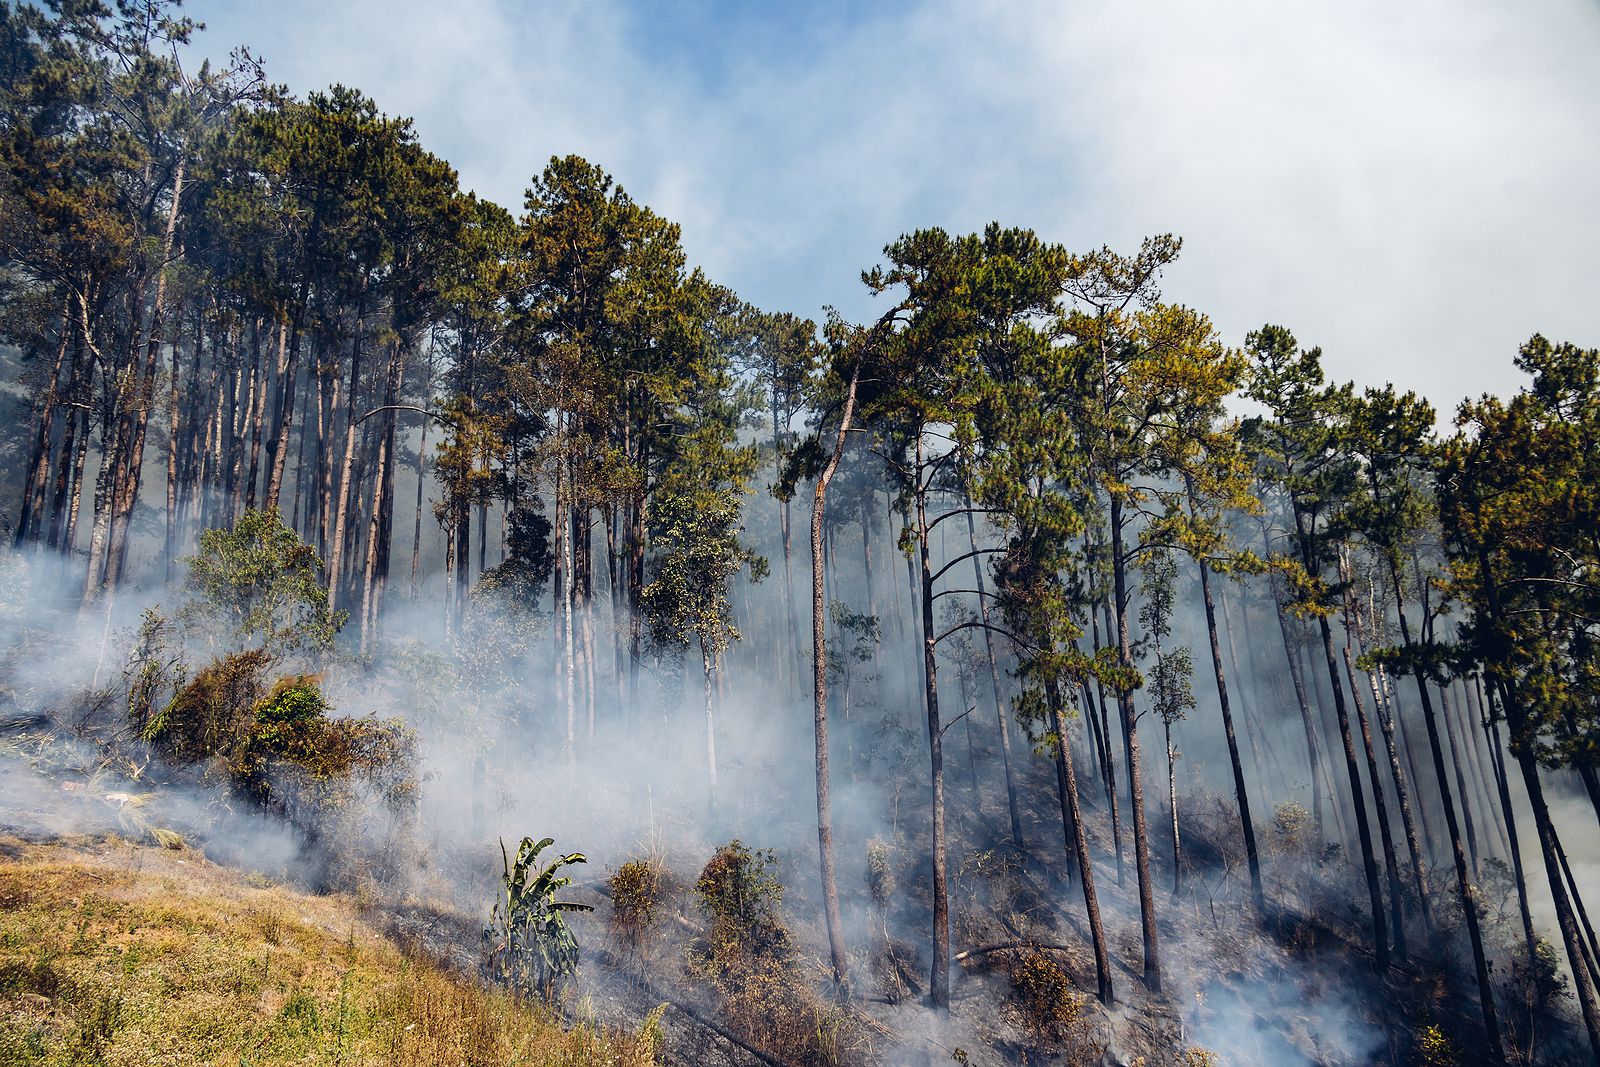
x: 123, y: 955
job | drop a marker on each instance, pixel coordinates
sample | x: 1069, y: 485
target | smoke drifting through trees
x: 228, y: 301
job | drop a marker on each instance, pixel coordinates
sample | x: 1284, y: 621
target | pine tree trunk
x: 174, y: 418
x: 870, y: 586
x: 791, y: 637
x: 341, y: 516
x: 819, y: 704
x: 68, y: 474
x: 257, y: 422
x: 1461, y: 781
x: 1130, y: 738
x: 1582, y: 983
x: 939, y: 986
x: 37, y: 476
x: 1078, y: 843
x: 1241, y: 794
x: 569, y: 663
x: 994, y: 679
x: 1369, y: 861
x: 380, y: 497
x: 416, y: 529
x: 1464, y: 891
x: 288, y: 376
x: 1172, y: 807
x: 1402, y: 791
x: 1381, y: 807
x: 1313, y: 756
x: 1105, y: 728
x: 711, y: 729
x: 1503, y: 790
x: 1472, y: 711
x: 74, y: 499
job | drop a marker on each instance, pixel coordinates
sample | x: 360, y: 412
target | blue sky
x: 1413, y: 187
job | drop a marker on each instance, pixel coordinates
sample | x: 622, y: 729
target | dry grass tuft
x: 182, y: 962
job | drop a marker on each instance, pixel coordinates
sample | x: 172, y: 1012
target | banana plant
x: 528, y: 944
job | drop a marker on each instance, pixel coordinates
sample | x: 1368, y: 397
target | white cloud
x: 1412, y: 188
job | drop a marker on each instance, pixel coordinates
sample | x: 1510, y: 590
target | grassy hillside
x: 121, y: 954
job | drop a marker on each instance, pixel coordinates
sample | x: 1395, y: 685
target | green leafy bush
x: 281, y: 748
x: 259, y: 585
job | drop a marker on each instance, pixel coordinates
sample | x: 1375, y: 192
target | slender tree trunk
x: 939, y: 988
x: 1241, y: 794
x: 1381, y: 807
x: 1476, y: 741
x: 1130, y: 738
x: 72, y: 443
x: 1503, y: 789
x: 1461, y: 780
x: 1369, y: 860
x: 278, y: 443
x: 866, y: 570
x: 1078, y: 844
x: 1313, y: 755
x: 1105, y: 728
x: 1583, y: 984
x: 711, y: 728
x: 1001, y: 712
x: 1419, y: 876
x: 69, y: 538
x: 1172, y: 808
x: 819, y: 703
x: 37, y: 476
x: 416, y: 529
x: 341, y: 516
x: 380, y: 497
x: 1464, y: 891
x: 569, y: 664
x: 791, y: 637
x: 174, y: 419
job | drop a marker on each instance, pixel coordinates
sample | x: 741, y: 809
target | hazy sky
x: 1414, y: 187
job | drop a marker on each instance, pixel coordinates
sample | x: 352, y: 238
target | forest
x: 1028, y: 673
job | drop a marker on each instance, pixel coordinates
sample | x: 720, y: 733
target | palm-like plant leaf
x: 528, y: 944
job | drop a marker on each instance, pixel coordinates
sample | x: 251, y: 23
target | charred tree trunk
x: 939, y: 987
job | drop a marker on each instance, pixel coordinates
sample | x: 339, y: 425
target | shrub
x: 880, y: 874
x: 1435, y: 1049
x: 1290, y: 821
x: 281, y: 749
x: 1050, y: 1006
x: 740, y: 886
x: 635, y: 894
x: 747, y: 956
x: 213, y: 713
